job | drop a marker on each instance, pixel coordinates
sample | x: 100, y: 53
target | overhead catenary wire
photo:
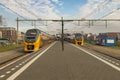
x: 2, y: 5
x: 104, y: 3
x: 12, y: 10
x: 24, y: 8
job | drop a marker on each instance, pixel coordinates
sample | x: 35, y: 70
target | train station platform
x: 70, y: 64
x: 74, y: 63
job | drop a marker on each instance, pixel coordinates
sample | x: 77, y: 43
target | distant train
x: 34, y: 39
x: 76, y: 38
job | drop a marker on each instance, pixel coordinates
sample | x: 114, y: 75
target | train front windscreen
x: 78, y: 36
x: 31, y: 35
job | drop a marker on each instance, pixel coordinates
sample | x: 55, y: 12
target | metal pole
x: 62, y: 33
x: 17, y: 31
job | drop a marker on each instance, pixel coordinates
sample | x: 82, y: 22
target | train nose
x: 30, y: 47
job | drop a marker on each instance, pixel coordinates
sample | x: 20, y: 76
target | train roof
x: 33, y: 29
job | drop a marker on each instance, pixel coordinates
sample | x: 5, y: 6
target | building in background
x: 20, y: 37
x: 110, y: 35
x: 108, y: 38
x: 9, y: 33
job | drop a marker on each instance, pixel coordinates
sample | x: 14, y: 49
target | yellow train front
x: 79, y: 39
x: 32, y: 40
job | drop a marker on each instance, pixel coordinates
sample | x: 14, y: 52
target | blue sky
x: 55, y: 9
x: 8, y: 16
x: 65, y: 7
x: 70, y: 7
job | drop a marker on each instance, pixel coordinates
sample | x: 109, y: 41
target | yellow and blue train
x: 76, y: 38
x: 34, y: 39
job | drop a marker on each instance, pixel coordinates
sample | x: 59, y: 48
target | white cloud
x: 101, y: 9
x: 98, y: 8
x: 56, y: 1
x: 32, y: 8
x: 113, y: 15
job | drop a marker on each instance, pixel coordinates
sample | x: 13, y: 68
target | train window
x: 30, y: 37
x: 31, y: 33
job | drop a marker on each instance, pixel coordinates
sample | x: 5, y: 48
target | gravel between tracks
x: 113, y: 52
x: 9, y: 55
